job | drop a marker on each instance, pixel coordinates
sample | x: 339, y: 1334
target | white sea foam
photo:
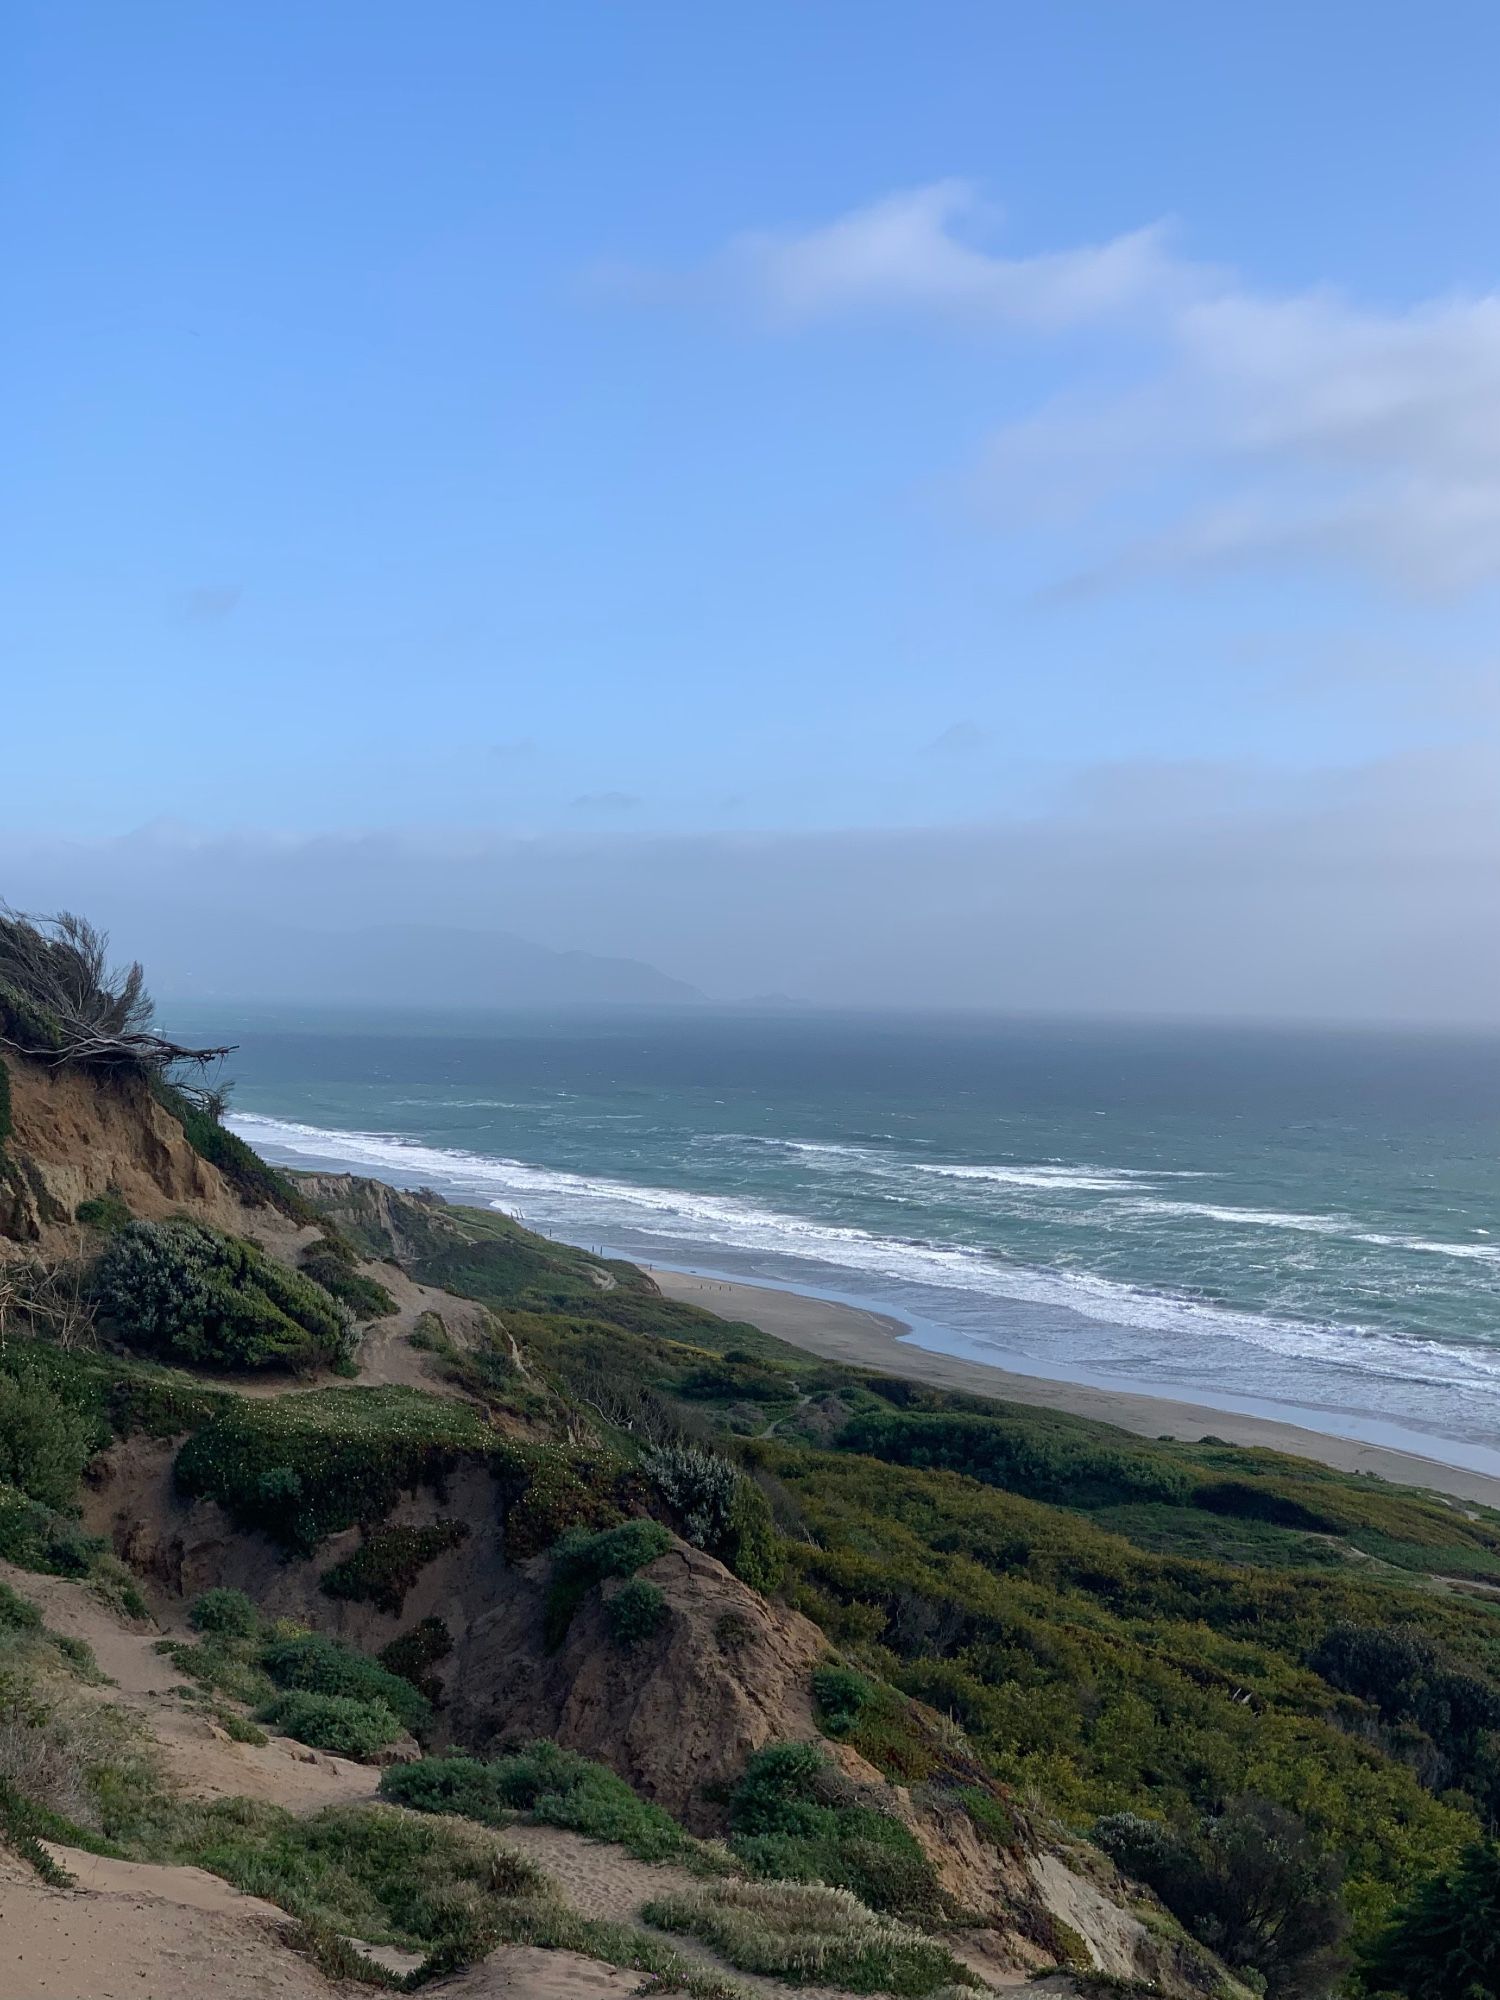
x: 1341, y: 1226
x: 1060, y: 1180
x: 689, y: 1224
x: 1046, y: 1176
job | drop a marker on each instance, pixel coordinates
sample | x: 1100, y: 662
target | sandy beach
x: 872, y: 1340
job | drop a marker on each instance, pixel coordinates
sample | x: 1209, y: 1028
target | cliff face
x: 75, y: 1136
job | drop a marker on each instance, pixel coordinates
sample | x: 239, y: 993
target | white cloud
x: 1368, y: 893
x: 1261, y: 427
x: 904, y: 254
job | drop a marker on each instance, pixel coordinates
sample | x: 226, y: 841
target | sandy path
x: 132, y: 1944
x: 200, y: 1757
x: 601, y: 1880
x: 870, y: 1340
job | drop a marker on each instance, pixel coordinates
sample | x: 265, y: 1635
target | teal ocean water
x: 1303, y: 1223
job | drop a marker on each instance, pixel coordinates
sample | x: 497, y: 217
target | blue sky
x: 600, y: 422
x: 391, y: 444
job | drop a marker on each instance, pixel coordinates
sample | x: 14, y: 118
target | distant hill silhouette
x: 422, y: 965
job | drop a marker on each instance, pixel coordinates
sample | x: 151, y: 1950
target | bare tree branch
x: 66, y: 1004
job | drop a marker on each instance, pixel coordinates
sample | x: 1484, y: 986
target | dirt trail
x: 132, y: 1944
x: 603, y: 1881
x: 521, y: 1972
x: 203, y: 1760
x: 386, y: 1354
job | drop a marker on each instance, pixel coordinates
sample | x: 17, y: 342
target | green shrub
x: 388, y: 1562
x: 223, y: 1666
x: 793, y: 1818
x: 413, y: 1654
x: 40, y: 1538
x: 312, y: 1663
x: 242, y: 1731
x: 1010, y: 1452
x: 366, y: 1871
x: 547, y: 1489
x: 580, y: 1560
x: 557, y: 1787
x: 841, y: 1696
x: 1444, y: 1943
x: 365, y: 1297
x: 635, y: 1611
x: 339, y: 1723
x: 108, y: 1212
x: 44, y: 1441
x: 17, y: 1614
x: 1250, y: 1883
x: 186, y: 1292
x: 811, y: 1935
x: 225, y: 1614
x: 699, y: 1488
x: 719, y: 1509
x: 302, y: 1467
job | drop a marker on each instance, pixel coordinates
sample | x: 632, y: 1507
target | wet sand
x: 871, y: 1340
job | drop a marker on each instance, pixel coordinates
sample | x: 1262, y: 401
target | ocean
x: 1293, y: 1222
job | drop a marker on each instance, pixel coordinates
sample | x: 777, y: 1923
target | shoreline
x: 869, y: 1339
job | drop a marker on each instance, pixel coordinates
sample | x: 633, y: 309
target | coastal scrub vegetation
x: 388, y: 1562
x: 1262, y: 1685
x: 555, y: 1787
x: 184, y: 1292
x: 811, y: 1934
x: 301, y: 1467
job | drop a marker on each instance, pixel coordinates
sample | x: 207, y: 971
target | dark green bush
x: 255, y: 1180
x: 462, y: 1785
x: 1010, y: 1453
x: 41, y: 1538
x: 413, y: 1654
x: 793, y: 1818
x: 580, y: 1560
x: 547, y: 1489
x: 841, y: 1696
x: 554, y: 1785
x: 1250, y: 1883
x: 188, y: 1293
x: 619, y: 1551
x: 312, y: 1663
x: 635, y: 1611
x: 365, y: 1297
x: 339, y: 1723
x: 224, y: 1614
x: 1444, y: 1943
x: 45, y: 1442
x: 108, y: 1212
x: 302, y: 1467
x: 388, y: 1562
x: 16, y: 1613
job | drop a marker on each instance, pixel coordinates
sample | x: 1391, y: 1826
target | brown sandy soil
x: 872, y: 1340
x: 521, y: 1972
x: 131, y: 1943
x: 385, y: 1354
x: 204, y: 1761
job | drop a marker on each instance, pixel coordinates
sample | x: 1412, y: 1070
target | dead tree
x: 62, y: 1003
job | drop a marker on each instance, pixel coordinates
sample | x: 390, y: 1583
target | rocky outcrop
x: 676, y: 1715
x: 404, y: 1224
